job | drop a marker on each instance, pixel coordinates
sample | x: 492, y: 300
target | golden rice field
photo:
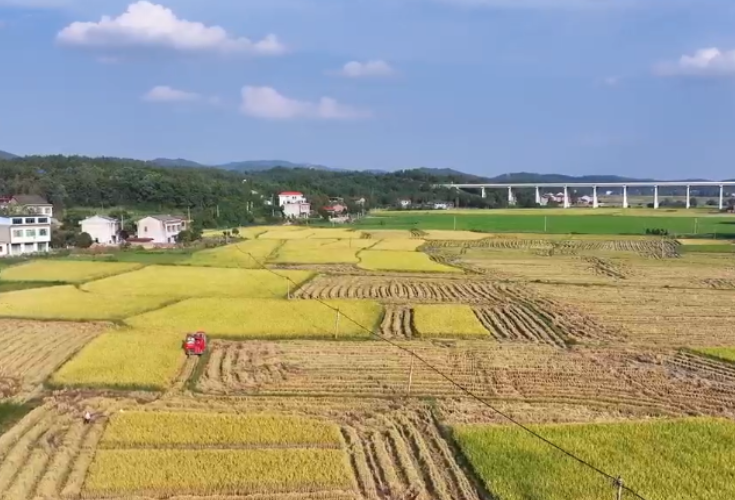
x: 67, y: 271
x: 177, y: 282
x: 250, y: 254
x: 155, y: 429
x: 125, y: 358
x: 292, y: 233
x: 376, y: 260
x: 69, y: 303
x: 319, y: 251
x: 264, y: 318
x: 435, y: 234
x: 612, y: 337
x: 336, y: 233
x: 249, y: 232
x: 349, y: 243
x: 220, y: 472
x: 408, y: 245
x: 388, y: 234
x: 447, y: 320
x: 649, y: 456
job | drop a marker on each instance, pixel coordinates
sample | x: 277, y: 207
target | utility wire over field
x: 615, y: 480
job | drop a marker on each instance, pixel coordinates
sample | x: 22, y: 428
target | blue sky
x: 628, y: 87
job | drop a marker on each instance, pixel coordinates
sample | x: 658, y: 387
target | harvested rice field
x: 33, y: 350
x: 661, y: 382
x: 596, y: 342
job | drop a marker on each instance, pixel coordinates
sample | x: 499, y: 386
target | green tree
x: 83, y: 240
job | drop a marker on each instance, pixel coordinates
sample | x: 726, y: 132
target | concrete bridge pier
x: 566, y: 197
x: 511, y: 198
x: 625, y: 196
x: 483, y: 193
x: 722, y: 197
x: 655, y: 196
x: 595, y: 201
x: 538, y: 196
x: 689, y: 197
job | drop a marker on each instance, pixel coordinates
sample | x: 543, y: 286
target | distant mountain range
x: 243, y: 166
x: 454, y: 175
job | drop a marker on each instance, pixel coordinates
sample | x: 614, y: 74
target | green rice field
x: 571, y: 221
x: 672, y: 459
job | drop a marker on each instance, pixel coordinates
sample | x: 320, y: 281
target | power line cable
x: 615, y: 479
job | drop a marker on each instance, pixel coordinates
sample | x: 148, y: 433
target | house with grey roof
x: 160, y: 228
x: 28, y: 203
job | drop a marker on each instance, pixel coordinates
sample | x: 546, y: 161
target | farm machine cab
x: 195, y: 343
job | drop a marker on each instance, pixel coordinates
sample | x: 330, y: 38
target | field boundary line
x: 376, y: 333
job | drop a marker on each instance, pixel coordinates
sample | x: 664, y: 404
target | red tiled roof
x: 291, y: 193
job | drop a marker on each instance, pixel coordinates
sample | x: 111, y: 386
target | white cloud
x: 267, y: 102
x: 164, y: 93
x: 704, y: 62
x: 356, y: 69
x: 146, y: 24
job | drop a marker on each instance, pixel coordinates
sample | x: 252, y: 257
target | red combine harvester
x: 195, y: 343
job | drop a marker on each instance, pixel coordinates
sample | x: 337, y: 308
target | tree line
x: 216, y: 197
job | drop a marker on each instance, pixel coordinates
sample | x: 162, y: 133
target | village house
x: 160, y: 229
x: 24, y: 234
x: 27, y: 203
x: 336, y: 209
x: 294, y: 205
x: 103, y: 230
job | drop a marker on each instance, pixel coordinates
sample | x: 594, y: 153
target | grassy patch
x: 649, y: 456
x: 720, y: 353
x: 10, y: 413
x: 710, y: 248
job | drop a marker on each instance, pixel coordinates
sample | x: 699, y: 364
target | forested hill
x: 100, y: 183
x: 76, y: 181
